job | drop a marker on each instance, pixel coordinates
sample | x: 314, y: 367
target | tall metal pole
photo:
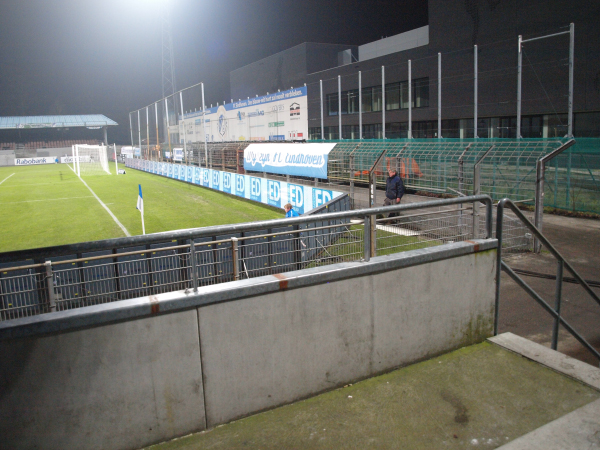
x: 183, y: 121
x: 383, y: 102
x: 322, y: 123
x: 204, y: 125
x: 158, y: 158
x: 139, y: 130
x: 340, y: 106
x: 519, y: 75
x: 168, y: 131
x: 360, y: 133
x: 131, y: 129
x: 147, y: 134
x: 475, y: 94
x: 571, y: 63
x: 409, y: 99
x: 439, y: 95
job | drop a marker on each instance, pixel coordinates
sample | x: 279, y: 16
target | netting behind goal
x: 91, y: 160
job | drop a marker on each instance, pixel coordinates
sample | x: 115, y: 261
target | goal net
x: 91, y: 160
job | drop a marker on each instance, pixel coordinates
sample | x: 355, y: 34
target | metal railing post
x: 477, y: 191
x: 193, y: 265
x: 235, y: 258
x: 499, y: 235
x: 539, y: 202
x: 367, y: 238
x: 557, y: 302
x: 373, y: 239
x: 50, y: 286
x: 352, y: 179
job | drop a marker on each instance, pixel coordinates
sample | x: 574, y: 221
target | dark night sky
x: 81, y: 57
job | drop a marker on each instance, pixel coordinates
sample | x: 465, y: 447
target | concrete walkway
x: 482, y: 396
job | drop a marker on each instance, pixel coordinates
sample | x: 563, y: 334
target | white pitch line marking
x: 44, y: 200
x: 108, y: 210
x: 7, y: 178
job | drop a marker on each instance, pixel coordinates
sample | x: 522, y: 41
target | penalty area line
x: 108, y: 210
x: 7, y: 178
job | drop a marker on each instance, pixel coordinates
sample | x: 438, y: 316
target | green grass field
x: 48, y: 205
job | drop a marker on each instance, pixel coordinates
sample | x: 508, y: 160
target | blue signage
x: 274, y: 193
x: 320, y: 197
x: 296, y: 197
x: 206, y: 178
x: 227, y: 182
x: 255, y: 189
x: 240, y: 185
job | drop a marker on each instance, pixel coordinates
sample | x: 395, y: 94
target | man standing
x: 394, y: 190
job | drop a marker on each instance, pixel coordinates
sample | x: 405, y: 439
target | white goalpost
x: 90, y: 160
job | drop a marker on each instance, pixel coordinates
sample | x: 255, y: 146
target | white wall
x: 393, y: 44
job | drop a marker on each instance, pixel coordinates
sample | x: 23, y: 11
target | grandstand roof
x: 87, y: 120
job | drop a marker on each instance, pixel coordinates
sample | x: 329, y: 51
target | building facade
x: 475, y: 44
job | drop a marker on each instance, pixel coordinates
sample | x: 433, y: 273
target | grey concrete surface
x: 117, y: 386
x: 122, y: 375
x: 564, y: 364
x: 578, y: 430
x: 275, y: 348
x: 578, y: 240
x: 477, y: 397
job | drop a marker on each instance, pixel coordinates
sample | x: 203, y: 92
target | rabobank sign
x: 33, y: 161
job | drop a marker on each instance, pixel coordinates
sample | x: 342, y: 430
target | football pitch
x: 49, y: 205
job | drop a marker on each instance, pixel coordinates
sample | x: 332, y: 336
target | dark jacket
x: 394, y: 188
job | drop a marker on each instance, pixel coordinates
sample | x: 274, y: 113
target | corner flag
x: 140, y: 206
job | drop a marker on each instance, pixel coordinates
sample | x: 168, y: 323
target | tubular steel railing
x: 555, y: 311
x: 119, y: 269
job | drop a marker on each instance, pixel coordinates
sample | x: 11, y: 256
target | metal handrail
x: 561, y: 264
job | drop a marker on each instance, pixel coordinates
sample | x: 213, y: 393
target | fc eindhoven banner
x: 305, y: 160
x: 270, y: 192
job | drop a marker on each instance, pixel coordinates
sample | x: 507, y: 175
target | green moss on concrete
x: 477, y: 397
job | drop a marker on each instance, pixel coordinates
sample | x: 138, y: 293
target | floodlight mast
x: 571, y: 34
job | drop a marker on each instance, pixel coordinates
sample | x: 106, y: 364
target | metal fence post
x: 367, y: 238
x: 194, y: 266
x: 476, y: 191
x: 352, y: 179
x: 557, y: 302
x: 373, y: 239
x: 235, y: 258
x: 50, y: 286
x: 539, y: 202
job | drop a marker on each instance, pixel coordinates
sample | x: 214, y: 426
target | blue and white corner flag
x: 140, y: 203
x: 140, y: 206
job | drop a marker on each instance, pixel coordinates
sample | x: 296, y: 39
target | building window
x: 332, y: 133
x: 367, y: 99
x: 531, y: 127
x: 392, y: 96
x: 451, y: 128
x: 332, y: 104
x: 314, y: 133
x: 372, y: 131
x: 421, y: 93
x: 396, y: 94
x: 396, y: 130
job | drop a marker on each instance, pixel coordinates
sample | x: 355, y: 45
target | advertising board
x: 269, y: 192
x: 273, y: 117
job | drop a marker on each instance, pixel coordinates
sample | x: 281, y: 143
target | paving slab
x: 579, y: 430
x: 481, y: 396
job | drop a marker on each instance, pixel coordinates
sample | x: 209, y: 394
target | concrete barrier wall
x: 131, y: 373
